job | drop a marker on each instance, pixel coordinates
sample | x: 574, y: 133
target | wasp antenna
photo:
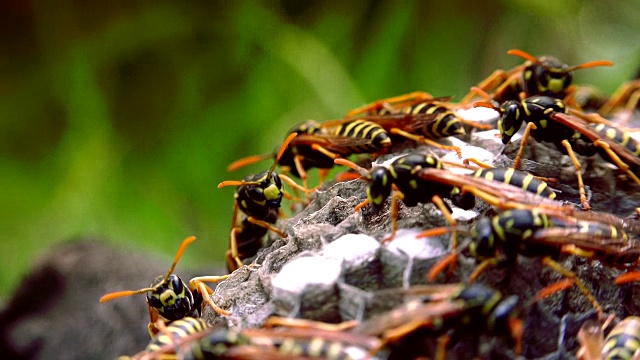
x: 284, y: 147
x: 591, y: 64
x: 481, y: 92
x: 524, y: 55
x: 487, y: 105
x: 233, y: 183
x: 119, y: 294
x: 352, y: 165
x: 184, y: 245
x: 247, y: 161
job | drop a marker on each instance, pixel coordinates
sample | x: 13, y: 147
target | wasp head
x: 260, y: 195
x: 171, y: 298
x: 380, y: 186
x: 511, y: 120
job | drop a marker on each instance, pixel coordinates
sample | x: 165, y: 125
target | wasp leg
x: 434, y: 232
x: 322, y: 176
x: 484, y: 265
x: 523, y: 143
x: 441, y: 349
x: 205, y: 291
x: 576, y: 164
x: 295, y: 186
x: 391, y: 103
x: 347, y: 176
x: 616, y: 160
x: 554, y: 288
x: 552, y: 264
x: 153, y: 318
x: 475, y: 124
x: 627, y: 277
x: 422, y: 139
x: 493, y: 81
x: 397, y: 195
x: 303, y: 173
x: 624, y: 93
x: 273, y: 321
x: 267, y: 226
x: 446, y: 262
x: 439, y: 203
x: 233, y: 257
x: 477, y: 162
x: 361, y: 205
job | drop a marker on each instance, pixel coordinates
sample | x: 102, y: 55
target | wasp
x: 258, y: 197
x: 497, y: 241
x: 546, y: 76
x: 474, y: 308
x: 197, y: 343
x: 178, y: 329
x: 318, y: 144
x: 409, y: 176
x: 548, y: 121
x: 623, y: 341
x: 401, y: 175
x: 170, y: 299
x: 508, y: 176
x: 617, y: 146
x: 425, y: 118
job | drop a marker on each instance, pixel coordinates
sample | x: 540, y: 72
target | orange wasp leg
x: 578, y: 167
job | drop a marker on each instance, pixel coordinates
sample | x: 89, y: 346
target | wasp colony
x: 504, y: 225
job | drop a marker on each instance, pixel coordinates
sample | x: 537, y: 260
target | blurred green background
x: 119, y: 118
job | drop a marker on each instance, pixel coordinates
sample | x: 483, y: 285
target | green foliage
x: 119, y: 118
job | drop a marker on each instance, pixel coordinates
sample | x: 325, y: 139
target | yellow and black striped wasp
x: 418, y: 116
x: 545, y: 76
x: 258, y: 197
x: 170, y: 299
x: 461, y: 310
x: 195, y: 341
x: 623, y: 341
x: 548, y: 120
x: 318, y: 144
x: 405, y: 175
x: 401, y: 176
x: 546, y: 234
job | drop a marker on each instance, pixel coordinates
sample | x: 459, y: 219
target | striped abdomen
x: 363, y: 129
x: 518, y: 178
x: 624, y: 340
x: 620, y: 137
x: 176, y: 330
x: 445, y: 122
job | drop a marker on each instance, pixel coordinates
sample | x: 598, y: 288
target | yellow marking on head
x: 556, y: 85
x: 271, y: 192
x: 168, y: 297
